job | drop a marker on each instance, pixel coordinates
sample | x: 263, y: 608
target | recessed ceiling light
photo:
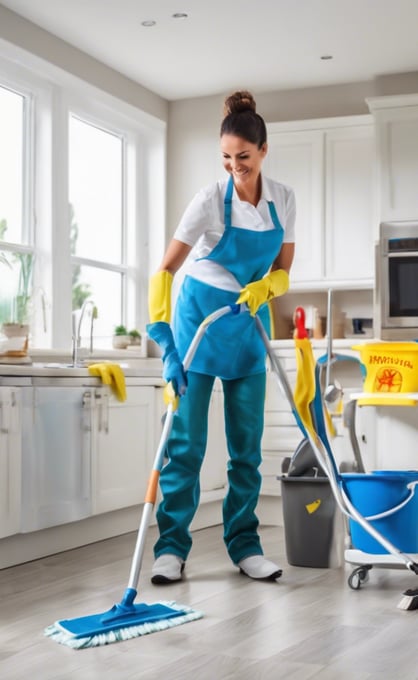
x: 326, y: 57
x: 180, y: 15
x: 148, y: 23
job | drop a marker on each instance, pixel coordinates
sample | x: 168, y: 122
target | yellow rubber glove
x: 159, y: 297
x: 257, y: 293
x: 159, y: 330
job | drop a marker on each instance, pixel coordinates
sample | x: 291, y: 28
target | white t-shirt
x: 202, y: 225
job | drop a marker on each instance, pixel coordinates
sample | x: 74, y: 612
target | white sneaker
x: 257, y: 567
x: 167, y: 568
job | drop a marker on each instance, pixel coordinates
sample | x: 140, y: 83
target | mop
x: 126, y: 620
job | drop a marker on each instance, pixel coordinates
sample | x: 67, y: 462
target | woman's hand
x: 258, y: 292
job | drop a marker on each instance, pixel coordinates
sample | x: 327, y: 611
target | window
x: 98, y: 228
x: 79, y: 215
x: 16, y: 249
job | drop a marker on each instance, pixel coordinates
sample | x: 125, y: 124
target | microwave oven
x: 396, y: 289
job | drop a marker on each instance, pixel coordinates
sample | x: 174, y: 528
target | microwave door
x: 401, y: 308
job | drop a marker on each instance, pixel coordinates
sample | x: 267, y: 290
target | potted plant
x: 18, y: 326
x: 121, y: 338
x: 135, y: 337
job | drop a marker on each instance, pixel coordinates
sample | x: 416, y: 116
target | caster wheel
x: 358, y: 576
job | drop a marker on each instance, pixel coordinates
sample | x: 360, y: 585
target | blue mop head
x: 122, y: 622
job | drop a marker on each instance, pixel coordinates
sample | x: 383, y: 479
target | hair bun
x: 239, y: 101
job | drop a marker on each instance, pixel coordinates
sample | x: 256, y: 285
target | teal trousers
x: 186, y: 447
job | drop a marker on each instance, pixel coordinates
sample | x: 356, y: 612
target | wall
x: 193, y: 127
x: 193, y: 124
x: 39, y: 43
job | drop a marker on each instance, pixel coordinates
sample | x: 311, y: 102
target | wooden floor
x: 309, y: 624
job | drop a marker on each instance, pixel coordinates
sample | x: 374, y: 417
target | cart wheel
x: 358, y: 576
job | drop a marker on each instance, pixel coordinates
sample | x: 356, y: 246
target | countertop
x: 56, y: 364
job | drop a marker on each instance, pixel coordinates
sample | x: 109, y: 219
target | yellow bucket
x: 390, y: 366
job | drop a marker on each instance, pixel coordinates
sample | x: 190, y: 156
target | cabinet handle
x: 87, y: 413
x: 3, y: 428
x: 102, y: 397
x: 98, y: 395
x: 106, y: 411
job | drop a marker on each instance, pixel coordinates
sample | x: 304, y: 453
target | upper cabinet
x: 396, y: 120
x: 330, y: 163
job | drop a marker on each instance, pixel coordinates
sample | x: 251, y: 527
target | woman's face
x: 242, y: 159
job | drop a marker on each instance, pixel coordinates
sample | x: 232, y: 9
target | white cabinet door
x: 297, y: 159
x: 57, y: 428
x: 122, y: 454
x: 10, y: 460
x: 350, y: 217
x: 332, y: 171
x: 387, y: 437
x: 397, y: 151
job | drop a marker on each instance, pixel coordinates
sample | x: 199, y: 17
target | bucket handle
x: 411, y: 486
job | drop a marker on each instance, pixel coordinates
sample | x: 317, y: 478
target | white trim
x: 391, y: 102
x: 319, y: 123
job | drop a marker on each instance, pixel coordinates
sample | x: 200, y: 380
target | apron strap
x: 228, y: 203
x: 274, y: 216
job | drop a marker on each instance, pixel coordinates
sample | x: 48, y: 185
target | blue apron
x: 231, y: 347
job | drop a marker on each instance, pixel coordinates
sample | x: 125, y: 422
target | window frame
x: 54, y: 93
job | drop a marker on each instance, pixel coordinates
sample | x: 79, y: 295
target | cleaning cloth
x: 112, y: 375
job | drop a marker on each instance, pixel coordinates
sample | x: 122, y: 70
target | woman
x: 242, y: 232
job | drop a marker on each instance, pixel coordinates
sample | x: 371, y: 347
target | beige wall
x: 193, y: 124
x: 193, y: 127
x: 21, y: 33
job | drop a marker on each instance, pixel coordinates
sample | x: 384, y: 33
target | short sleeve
x: 196, y: 218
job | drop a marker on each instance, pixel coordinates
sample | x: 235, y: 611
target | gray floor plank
x: 308, y: 626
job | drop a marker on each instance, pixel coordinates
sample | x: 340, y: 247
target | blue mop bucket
x: 381, y: 492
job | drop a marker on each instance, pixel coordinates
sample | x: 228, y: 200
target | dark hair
x: 241, y: 119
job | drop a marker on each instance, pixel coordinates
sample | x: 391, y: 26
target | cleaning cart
x: 389, y: 498
x: 378, y: 506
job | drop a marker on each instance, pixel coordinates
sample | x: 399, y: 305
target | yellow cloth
x: 112, y: 375
x: 304, y: 392
x: 159, y: 297
x: 256, y: 293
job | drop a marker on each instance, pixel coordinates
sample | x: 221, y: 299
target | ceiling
x: 261, y: 45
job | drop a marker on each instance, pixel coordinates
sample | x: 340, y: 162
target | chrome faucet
x: 77, y: 318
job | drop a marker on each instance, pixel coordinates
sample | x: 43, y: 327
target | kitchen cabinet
x: 396, y: 120
x: 330, y: 163
x: 296, y: 158
x: 84, y: 453
x: 10, y: 460
x: 56, y: 459
x: 122, y: 447
x: 282, y: 435
x: 387, y: 437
